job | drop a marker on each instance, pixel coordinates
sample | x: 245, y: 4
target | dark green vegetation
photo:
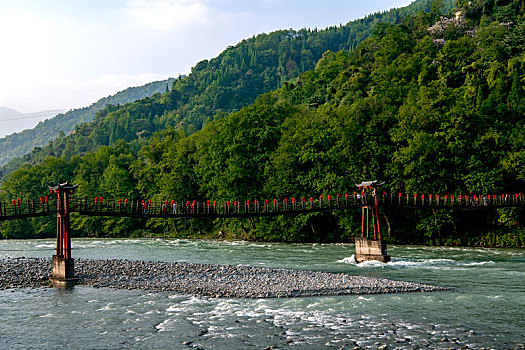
x: 21, y: 143
x: 430, y: 105
x: 214, y: 88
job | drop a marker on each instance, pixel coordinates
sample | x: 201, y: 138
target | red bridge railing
x: 234, y: 208
x: 98, y: 206
x: 19, y: 209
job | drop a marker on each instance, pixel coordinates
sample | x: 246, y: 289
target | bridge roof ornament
x: 374, y: 183
x: 63, y: 187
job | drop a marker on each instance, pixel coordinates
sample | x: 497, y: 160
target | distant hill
x: 12, y: 121
x: 6, y: 111
x: 18, y: 144
x: 221, y: 85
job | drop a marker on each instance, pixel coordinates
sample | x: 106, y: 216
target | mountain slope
x: 18, y: 144
x: 16, y: 122
x: 219, y: 86
x: 433, y: 105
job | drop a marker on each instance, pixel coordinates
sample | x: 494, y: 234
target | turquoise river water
x: 484, y: 309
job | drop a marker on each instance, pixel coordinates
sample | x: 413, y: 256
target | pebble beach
x: 221, y: 281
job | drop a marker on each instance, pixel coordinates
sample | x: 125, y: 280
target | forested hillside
x: 21, y: 143
x: 218, y: 86
x: 432, y: 104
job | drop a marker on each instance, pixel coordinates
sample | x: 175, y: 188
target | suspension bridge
x: 369, y: 199
x: 145, y: 208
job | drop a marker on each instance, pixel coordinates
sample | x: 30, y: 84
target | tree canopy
x: 430, y: 105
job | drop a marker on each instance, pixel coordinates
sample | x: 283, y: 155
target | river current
x: 484, y: 309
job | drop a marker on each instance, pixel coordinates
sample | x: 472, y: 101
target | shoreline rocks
x: 222, y: 281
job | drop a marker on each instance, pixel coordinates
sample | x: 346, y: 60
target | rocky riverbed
x: 202, y: 279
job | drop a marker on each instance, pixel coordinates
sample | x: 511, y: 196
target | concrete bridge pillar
x: 367, y: 249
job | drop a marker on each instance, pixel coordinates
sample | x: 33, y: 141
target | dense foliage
x: 21, y: 143
x: 431, y: 105
x: 214, y: 88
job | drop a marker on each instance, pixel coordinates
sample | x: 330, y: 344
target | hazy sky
x: 62, y: 54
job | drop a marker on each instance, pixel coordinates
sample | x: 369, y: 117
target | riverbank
x: 203, y: 279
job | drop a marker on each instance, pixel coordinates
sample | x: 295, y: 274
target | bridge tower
x: 367, y: 248
x: 63, y: 264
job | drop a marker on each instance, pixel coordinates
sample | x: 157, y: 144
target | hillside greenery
x: 214, y: 88
x: 21, y: 144
x: 430, y: 105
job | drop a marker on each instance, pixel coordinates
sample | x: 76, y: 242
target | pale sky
x: 65, y: 54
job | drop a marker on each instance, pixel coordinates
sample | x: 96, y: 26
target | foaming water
x: 436, y: 264
x: 484, y: 308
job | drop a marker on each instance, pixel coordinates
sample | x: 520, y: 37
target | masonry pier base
x: 63, y: 272
x: 367, y: 249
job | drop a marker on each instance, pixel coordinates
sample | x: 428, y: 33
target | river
x: 485, y: 309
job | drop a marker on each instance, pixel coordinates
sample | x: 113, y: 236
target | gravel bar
x: 202, y: 279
